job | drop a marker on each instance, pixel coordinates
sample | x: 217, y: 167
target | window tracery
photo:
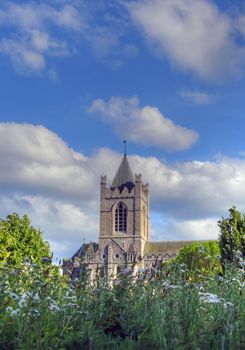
x: 121, y: 214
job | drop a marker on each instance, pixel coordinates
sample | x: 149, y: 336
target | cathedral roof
x: 124, y: 175
x: 165, y: 247
x: 86, y: 248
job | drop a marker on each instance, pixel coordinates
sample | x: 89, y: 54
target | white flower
x: 15, y: 312
x: 209, y: 298
x: 54, y: 307
x: 173, y: 286
x: 14, y: 296
x: 227, y: 304
x: 36, y: 297
x: 9, y: 309
x: 27, y: 261
x: 201, y: 308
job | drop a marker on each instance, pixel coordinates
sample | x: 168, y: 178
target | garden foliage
x: 185, y: 304
x: 158, y: 309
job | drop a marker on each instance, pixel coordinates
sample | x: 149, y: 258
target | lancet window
x: 121, y: 215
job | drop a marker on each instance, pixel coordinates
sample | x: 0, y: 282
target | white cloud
x: 59, y: 188
x: 30, y: 38
x: 63, y: 223
x: 197, y: 97
x: 194, y: 34
x: 146, y: 125
x: 23, y: 58
x: 34, y: 32
x: 34, y: 157
x: 34, y: 15
x: 206, y: 228
x: 196, y: 189
x: 201, y: 229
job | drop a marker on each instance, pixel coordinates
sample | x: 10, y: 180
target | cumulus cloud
x: 146, y: 125
x: 197, y: 97
x: 34, y: 157
x: 59, y: 188
x: 194, y: 34
x: 63, y: 223
x: 194, y: 190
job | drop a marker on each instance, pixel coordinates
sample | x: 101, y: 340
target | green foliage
x: 232, y: 237
x: 41, y: 310
x: 19, y: 241
x: 200, y: 258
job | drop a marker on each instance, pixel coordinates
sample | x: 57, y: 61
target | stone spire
x: 124, y: 175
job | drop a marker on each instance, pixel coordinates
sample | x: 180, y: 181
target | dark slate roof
x: 86, y: 248
x: 165, y: 247
x: 124, y: 175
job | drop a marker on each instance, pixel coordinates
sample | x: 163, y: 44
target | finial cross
x: 125, y: 147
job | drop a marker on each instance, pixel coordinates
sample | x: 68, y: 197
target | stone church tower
x: 124, y: 230
x: 124, y: 218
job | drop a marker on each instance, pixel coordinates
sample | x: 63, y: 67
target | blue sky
x: 77, y: 77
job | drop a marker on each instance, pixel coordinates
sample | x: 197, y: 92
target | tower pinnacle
x: 125, y: 147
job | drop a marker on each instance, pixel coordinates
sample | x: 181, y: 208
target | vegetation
x: 201, y: 258
x: 190, y: 303
x: 161, y: 310
x: 19, y: 240
x: 232, y: 237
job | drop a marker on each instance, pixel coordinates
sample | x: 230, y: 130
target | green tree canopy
x: 232, y: 237
x: 201, y: 257
x: 19, y: 240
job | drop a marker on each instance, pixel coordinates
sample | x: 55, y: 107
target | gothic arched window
x: 144, y: 214
x: 121, y: 214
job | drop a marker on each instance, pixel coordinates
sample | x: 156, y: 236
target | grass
x: 39, y: 309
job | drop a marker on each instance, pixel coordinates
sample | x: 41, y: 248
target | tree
x: 19, y: 241
x: 232, y: 237
x: 200, y: 257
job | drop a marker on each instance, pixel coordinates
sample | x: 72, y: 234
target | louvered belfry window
x: 121, y: 214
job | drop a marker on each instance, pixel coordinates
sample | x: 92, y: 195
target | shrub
x: 200, y: 258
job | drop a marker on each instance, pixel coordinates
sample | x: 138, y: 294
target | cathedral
x: 124, y: 236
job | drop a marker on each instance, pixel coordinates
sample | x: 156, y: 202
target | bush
x: 200, y: 258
